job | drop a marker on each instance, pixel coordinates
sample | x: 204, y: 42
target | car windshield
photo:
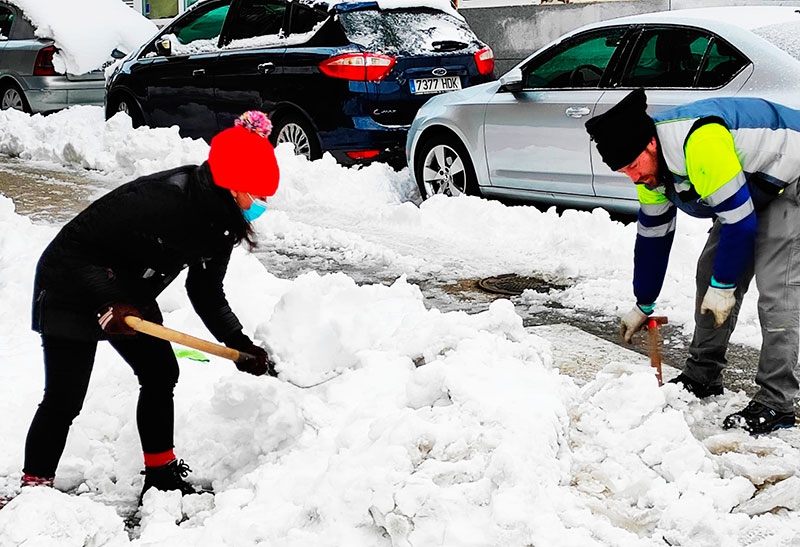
x: 407, y: 31
x: 784, y: 35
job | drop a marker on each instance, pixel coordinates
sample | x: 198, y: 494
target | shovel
x: 654, y: 344
x: 159, y: 331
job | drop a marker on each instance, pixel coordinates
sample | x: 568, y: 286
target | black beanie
x: 624, y: 131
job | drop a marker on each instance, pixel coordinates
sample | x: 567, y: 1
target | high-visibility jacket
x: 720, y: 158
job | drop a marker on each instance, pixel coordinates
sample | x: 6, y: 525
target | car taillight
x: 44, y: 62
x: 363, y: 67
x: 484, y: 60
x: 362, y: 154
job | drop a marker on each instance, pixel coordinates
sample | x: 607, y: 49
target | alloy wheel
x: 293, y: 133
x: 443, y: 172
x: 12, y: 99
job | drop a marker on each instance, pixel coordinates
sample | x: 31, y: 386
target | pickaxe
x: 654, y: 344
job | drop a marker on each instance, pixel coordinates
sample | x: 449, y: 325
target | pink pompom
x: 255, y: 121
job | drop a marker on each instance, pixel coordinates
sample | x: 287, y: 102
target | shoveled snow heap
x: 87, y: 31
x: 441, y: 429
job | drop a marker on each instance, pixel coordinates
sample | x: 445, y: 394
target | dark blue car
x: 345, y: 78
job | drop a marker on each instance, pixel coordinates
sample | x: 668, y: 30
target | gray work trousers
x: 777, y: 272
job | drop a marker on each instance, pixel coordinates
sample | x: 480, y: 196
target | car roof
x: 349, y: 5
x: 743, y: 24
x: 743, y: 17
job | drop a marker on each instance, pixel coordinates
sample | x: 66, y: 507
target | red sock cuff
x: 159, y: 459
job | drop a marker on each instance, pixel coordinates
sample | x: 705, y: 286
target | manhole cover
x: 513, y: 284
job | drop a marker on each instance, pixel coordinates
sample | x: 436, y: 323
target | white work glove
x: 720, y: 302
x: 632, y: 322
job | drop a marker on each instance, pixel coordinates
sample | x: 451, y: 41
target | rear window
x: 411, y: 32
x: 6, y: 18
x: 784, y: 35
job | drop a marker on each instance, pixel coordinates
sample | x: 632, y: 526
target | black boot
x: 701, y: 391
x: 168, y: 477
x: 759, y: 419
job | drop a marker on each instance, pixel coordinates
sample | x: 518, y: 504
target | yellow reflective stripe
x: 728, y: 189
x: 648, y: 196
x: 656, y: 231
x: 711, y: 159
x: 735, y: 215
x: 655, y: 209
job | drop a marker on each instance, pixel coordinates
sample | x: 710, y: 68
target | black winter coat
x: 130, y: 244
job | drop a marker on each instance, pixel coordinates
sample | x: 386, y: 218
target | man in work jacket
x: 736, y: 161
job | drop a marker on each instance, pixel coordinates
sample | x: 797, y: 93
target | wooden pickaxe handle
x: 159, y: 331
x: 654, y: 346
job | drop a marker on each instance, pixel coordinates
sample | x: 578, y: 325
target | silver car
x: 523, y: 136
x: 28, y: 80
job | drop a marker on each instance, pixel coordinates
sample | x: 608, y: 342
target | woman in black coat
x: 114, y: 259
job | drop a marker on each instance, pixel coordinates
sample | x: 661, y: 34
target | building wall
x: 160, y: 9
x: 137, y: 5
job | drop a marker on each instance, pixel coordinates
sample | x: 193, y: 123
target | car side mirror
x: 117, y: 54
x: 164, y: 47
x: 511, y: 81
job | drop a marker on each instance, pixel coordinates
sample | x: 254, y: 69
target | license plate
x: 425, y: 86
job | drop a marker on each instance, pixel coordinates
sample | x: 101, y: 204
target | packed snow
x: 87, y: 31
x: 433, y: 428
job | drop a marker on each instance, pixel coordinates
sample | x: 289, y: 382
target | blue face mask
x: 256, y: 209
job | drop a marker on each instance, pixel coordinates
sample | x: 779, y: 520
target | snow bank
x: 431, y: 428
x: 87, y: 31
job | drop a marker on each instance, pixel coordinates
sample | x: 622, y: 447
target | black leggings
x: 68, y: 366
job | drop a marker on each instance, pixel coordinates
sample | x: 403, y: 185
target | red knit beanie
x: 242, y: 159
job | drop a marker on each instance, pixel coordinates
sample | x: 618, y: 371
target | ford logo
x: 439, y: 71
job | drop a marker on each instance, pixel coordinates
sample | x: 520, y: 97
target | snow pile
x: 430, y: 428
x: 79, y: 137
x: 87, y: 31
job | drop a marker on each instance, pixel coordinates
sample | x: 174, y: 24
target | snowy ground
x: 441, y: 429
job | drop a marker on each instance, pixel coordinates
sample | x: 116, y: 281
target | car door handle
x: 266, y: 68
x: 577, y: 111
x: 199, y: 73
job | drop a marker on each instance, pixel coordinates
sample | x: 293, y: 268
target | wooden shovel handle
x: 159, y: 331
x: 654, y: 346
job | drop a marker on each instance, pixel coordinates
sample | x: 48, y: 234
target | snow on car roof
x: 441, y: 5
x: 86, y: 31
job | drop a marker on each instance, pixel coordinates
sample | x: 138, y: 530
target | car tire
x: 11, y: 96
x: 298, y: 131
x: 123, y: 103
x: 443, y: 166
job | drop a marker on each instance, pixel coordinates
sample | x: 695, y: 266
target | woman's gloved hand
x: 259, y: 364
x: 111, y: 318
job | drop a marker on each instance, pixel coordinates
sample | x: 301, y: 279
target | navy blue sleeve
x: 654, y: 237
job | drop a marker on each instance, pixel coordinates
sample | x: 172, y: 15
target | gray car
x: 522, y: 137
x: 28, y: 80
